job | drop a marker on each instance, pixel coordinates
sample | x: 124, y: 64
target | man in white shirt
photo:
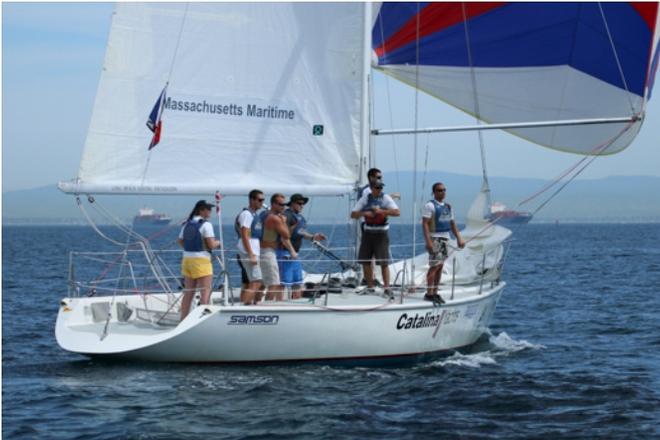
x: 437, y: 223
x: 248, y: 225
x: 375, y: 207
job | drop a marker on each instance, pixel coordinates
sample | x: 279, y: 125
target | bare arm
x: 358, y: 214
x: 283, y: 231
x: 245, y: 239
x: 180, y: 241
x: 392, y: 211
x: 211, y: 243
x: 454, y: 229
x: 426, y: 227
x: 318, y: 236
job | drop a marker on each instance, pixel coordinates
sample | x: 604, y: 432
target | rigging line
x: 178, y: 42
x: 477, y: 110
x: 578, y: 172
x: 152, y: 256
x: 414, y: 177
x: 616, y: 58
x: 169, y: 77
x: 426, y: 169
x: 115, y: 221
x: 600, y: 150
x: 93, y: 225
x: 389, y: 108
x: 596, y: 151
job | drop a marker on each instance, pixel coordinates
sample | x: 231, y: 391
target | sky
x: 52, y: 55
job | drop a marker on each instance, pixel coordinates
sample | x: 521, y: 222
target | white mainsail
x: 267, y: 95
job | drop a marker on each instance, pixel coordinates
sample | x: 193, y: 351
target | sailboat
x: 276, y: 96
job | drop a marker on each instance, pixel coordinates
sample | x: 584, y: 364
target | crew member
x: 248, y: 228
x: 275, y: 234
x: 437, y: 222
x: 291, y: 273
x: 197, y: 240
x: 375, y: 207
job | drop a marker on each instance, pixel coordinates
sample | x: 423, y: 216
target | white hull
x: 350, y: 327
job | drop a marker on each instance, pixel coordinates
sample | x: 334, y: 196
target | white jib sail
x: 260, y: 95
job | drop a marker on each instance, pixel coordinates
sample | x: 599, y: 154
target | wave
x: 498, y: 346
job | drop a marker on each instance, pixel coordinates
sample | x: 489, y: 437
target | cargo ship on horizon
x: 503, y: 216
x: 147, y: 216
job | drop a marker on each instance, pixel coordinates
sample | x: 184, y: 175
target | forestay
x: 267, y: 95
x: 524, y: 62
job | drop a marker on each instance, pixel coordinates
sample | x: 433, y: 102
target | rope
x: 93, y: 225
x: 426, y: 169
x: 167, y: 82
x: 593, y: 154
x: 414, y: 195
x: 616, y: 58
x: 389, y: 107
x: 477, y: 109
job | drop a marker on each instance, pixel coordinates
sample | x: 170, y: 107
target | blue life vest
x: 300, y: 226
x: 441, y: 217
x: 256, y: 228
x: 299, y: 223
x: 192, y: 237
x: 373, y: 202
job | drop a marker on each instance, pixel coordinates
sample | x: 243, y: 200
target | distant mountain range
x: 611, y: 199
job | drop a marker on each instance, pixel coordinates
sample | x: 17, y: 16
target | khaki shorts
x: 252, y: 271
x: 440, y: 251
x: 270, y: 272
x: 196, y: 267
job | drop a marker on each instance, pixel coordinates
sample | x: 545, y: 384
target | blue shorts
x: 290, y: 270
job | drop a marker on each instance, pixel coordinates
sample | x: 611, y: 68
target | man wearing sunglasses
x: 291, y: 272
x: 248, y: 228
x: 374, y: 208
x: 374, y: 175
x: 275, y: 235
x: 437, y: 222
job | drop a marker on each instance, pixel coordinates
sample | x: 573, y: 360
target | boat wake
x: 497, y: 346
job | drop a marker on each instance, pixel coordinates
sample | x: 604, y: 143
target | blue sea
x: 573, y: 352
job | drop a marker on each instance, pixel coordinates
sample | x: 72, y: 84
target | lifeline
x: 405, y: 322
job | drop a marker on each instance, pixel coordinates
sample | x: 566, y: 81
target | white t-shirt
x: 429, y: 212
x: 388, y: 203
x: 207, y: 232
x: 364, y: 190
x: 245, y: 221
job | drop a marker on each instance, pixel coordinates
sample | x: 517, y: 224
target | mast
x: 365, y: 133
x: 365, y: 128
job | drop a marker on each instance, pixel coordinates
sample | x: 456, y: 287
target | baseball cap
x: 297, y: 198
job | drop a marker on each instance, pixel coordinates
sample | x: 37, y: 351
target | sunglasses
x: 440, y: 190
x: 260, y: 200
x: 279, y: 204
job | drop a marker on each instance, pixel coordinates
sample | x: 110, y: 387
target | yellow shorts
x: 196, y: 267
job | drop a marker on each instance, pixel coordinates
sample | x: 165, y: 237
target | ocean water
x: 573, y: 352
